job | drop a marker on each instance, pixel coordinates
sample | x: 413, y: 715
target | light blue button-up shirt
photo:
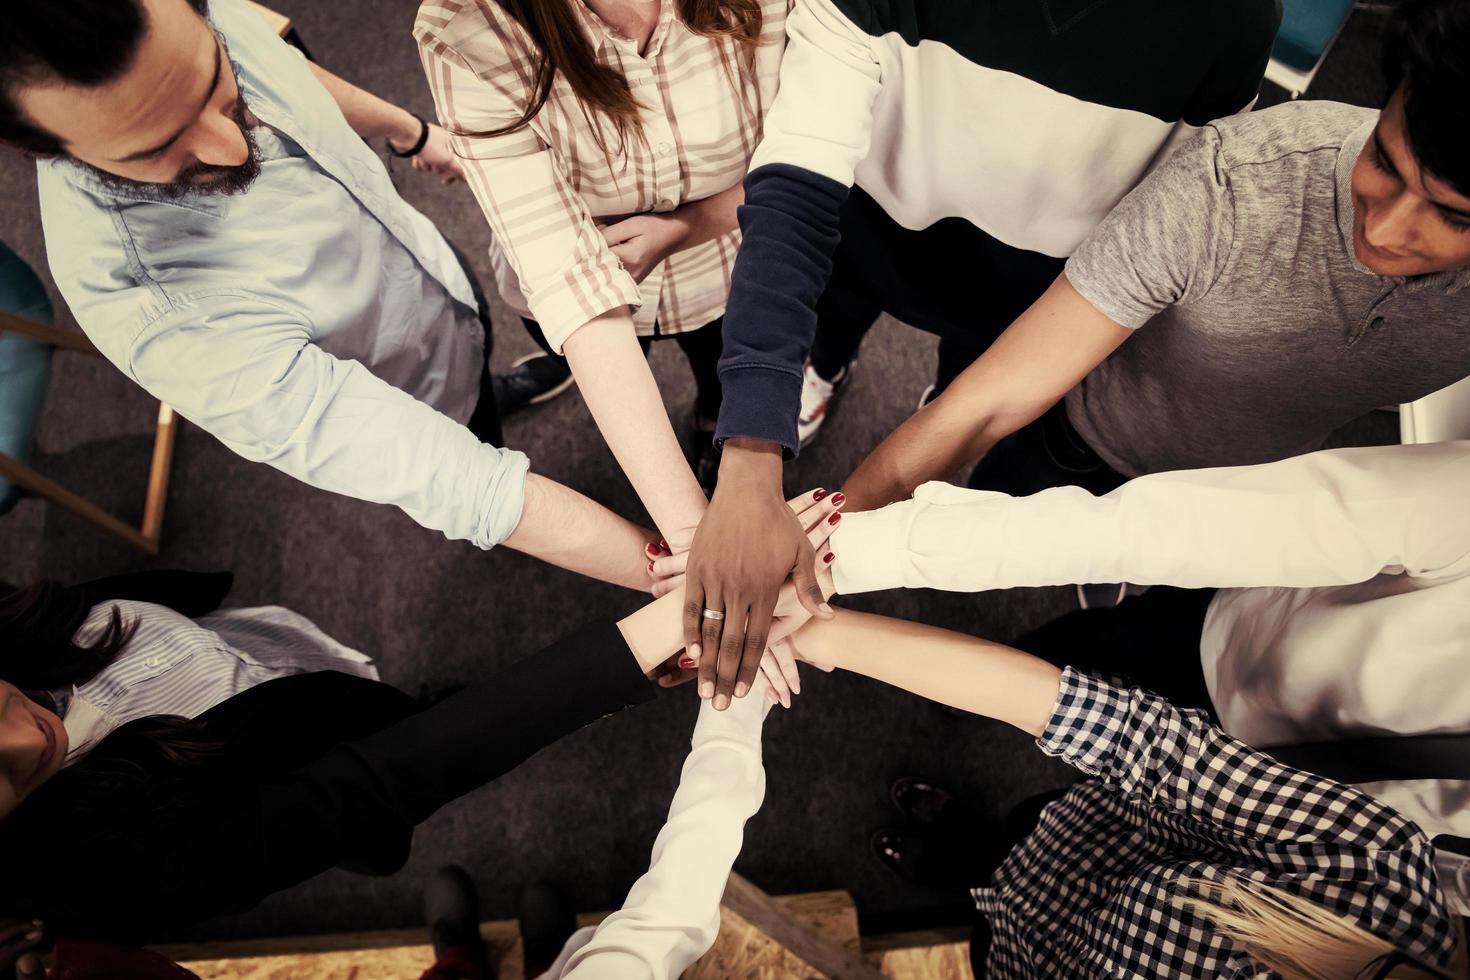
x: 316, y: 322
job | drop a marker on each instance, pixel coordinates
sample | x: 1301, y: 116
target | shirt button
x: 151, y: 662
x: 666, y: 204
x: 664, y: 149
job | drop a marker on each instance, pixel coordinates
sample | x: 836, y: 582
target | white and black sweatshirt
x: 1028, y: 118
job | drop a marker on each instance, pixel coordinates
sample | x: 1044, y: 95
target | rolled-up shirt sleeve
x: 249, y: 374
x: 566, y: 270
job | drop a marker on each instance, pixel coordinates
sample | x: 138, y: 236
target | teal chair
x: 27, y: 341
x: 1308, y: 29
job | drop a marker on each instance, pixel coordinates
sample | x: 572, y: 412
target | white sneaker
x: 817, y: 395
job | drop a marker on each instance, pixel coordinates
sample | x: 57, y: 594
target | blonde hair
x: 1295, y: 936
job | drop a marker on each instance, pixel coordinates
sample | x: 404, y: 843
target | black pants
x: 950, y: 279
x: 701, y: 348
x: 485, y: 420
x: 1150, y: 640
x: 1048, y: 452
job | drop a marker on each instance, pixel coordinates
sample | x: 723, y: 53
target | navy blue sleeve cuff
x: 789, y: 224
x: 759, y: 403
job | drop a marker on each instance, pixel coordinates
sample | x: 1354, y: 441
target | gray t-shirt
x: 1258, y: 331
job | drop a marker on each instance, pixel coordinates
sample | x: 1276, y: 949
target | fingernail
x: 834, y: 518
x: 829, y: 556
x: 819, y: 494
x: 694, y: 651
x: 707, y: 690
x: 741, y: 688
x: 721, y: 703
x: 837, y: 499
x: 651, y: 549
x: 664, y: 545
x: 650, y: 568
x: 688, y: 662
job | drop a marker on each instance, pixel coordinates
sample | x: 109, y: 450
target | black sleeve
x: 191, y: 594
x: 1246, y: 31
x: 357, y: 805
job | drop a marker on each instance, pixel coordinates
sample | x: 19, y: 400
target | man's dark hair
x: 75, y: 42
x: 1427, y: 50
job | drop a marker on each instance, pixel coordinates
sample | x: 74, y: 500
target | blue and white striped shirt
x: 174, y: 665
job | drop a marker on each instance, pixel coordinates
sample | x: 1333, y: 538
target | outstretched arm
x: 672, y: 914
x: 1328, y: 518
x: 1039, y: 358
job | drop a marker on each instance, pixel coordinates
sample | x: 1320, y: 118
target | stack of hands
x: 734, y: 633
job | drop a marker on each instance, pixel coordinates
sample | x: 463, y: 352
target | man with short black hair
x: 226, y: 238
x: 1283, y: 273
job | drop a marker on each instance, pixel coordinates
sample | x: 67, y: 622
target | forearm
x: 711, y: 217
x: 930, y: 445
x: 614, y: 378
x: 961, y: 671
x: 1038, y: 359
x: 1328, y: 518
x: 369, y: 116
x: 564, y: 528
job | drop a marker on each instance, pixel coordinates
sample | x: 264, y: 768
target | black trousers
x: 485, y: 420
x: 701, y: 348
x: 950, y: 279
x: 1151, y: 640
x: 1048, y: 452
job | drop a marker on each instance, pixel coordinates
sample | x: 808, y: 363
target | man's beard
x: 203, y: 178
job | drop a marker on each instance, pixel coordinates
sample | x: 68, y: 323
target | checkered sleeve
x: 481, y: 73
x: 1145, y: 746
x: 1321, y: 839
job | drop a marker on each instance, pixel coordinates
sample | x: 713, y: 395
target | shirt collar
x: 1452, y: 281
x: 1347, y: 158
x: 602, y: 30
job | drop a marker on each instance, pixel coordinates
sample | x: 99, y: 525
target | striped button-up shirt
x: 173, y: 665
x: 545, y: 187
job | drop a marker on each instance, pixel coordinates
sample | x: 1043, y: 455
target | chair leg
x: 32, y: 482
x: 158, y: 471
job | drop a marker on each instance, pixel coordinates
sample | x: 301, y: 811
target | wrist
x: 750, y: 464
x: 406, y: 133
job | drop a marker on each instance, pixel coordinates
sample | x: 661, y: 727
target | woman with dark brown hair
x: 606, y: 141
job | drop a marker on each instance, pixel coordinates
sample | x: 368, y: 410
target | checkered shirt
x: 1094, y: 891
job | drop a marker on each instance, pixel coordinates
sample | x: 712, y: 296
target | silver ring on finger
x: 714, y: 614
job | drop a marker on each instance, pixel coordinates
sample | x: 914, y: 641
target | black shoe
x: 926, y: 804
x: 705, y: 461
x: 919, y: 857
x: 547, y: 922
x: 452, y: 911
x: 531, y: 380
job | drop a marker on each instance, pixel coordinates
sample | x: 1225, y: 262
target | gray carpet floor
x: 585, y: 811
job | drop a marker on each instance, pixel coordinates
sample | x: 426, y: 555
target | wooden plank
x: 158, y: 472
x: 32, y: 482
x: 277, y: 22
x: 768, y: 916
x: 924, y: 954
x: 743, y: 949
x: 72, y: 340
